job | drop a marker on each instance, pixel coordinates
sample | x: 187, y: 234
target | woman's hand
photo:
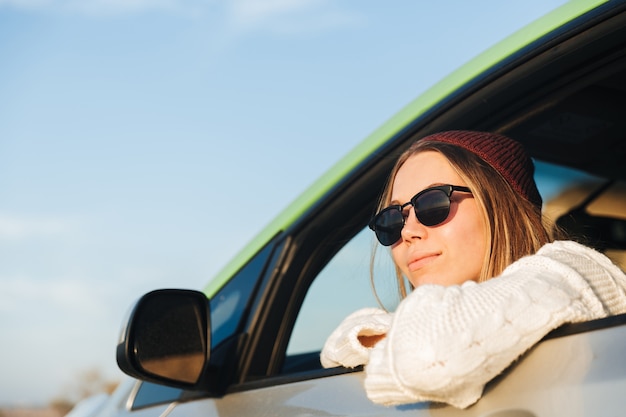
x: 370, y: 341
x: 349, y: 345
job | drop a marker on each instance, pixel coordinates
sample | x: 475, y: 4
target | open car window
x: 344, y: 286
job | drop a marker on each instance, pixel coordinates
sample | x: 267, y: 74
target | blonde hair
x: 515, y: 225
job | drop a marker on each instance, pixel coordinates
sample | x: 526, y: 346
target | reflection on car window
x: 149, y: 394
x: 554, y: 180
x: 226, y: 310
x: 342, y: 287
x: 229, y: 304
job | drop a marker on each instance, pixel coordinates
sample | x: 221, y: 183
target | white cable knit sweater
x: 444, y: 344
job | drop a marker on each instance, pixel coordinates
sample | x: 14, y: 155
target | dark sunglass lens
x: 388, y: 226
x: 432, y: 207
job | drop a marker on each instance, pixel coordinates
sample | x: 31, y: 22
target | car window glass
x: 554, y: 180
x: 149, y: 394
x: 342, y: 287
x: 229, y: 304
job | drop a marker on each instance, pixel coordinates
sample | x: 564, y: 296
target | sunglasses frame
x: 448, y: 189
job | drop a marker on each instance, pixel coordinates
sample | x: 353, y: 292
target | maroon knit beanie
x: 505, y: 155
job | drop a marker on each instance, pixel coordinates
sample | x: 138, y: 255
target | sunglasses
x: 432, y: 207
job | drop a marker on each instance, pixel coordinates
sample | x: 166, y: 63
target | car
x: 249, y: 343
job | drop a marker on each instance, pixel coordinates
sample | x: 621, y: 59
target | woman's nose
x: 413, y: 229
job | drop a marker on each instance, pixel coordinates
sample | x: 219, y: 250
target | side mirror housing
x: 167, y: 339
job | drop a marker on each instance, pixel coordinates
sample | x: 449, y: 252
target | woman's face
x: 446, y: 254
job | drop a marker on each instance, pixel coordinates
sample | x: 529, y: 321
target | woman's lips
x: 421, y: 261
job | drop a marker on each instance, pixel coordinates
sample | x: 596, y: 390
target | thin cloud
x: 251, y: 12
x: 116, y: 7
x: 106, y: 7
x: 26, y: 4
x: 288, y: 16
x: 20, y: 228
x: 236, y: 17
x: 56, y: 295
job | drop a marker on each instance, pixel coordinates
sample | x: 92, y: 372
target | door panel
x: 578, y: 375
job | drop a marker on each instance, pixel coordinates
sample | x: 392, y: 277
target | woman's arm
x: 350, y: 343
x: 446, y: 343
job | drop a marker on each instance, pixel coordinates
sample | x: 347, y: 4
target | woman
x: 462, y: 216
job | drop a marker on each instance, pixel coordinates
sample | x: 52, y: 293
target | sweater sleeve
x: 343, y: 348
x: 446, y: 343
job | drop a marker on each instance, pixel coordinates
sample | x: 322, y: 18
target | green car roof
x: 438, y: 92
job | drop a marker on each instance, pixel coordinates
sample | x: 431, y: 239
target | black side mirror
x: 167, y: 338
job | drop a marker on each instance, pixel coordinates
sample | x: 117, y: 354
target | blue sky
x: 144, y: 142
